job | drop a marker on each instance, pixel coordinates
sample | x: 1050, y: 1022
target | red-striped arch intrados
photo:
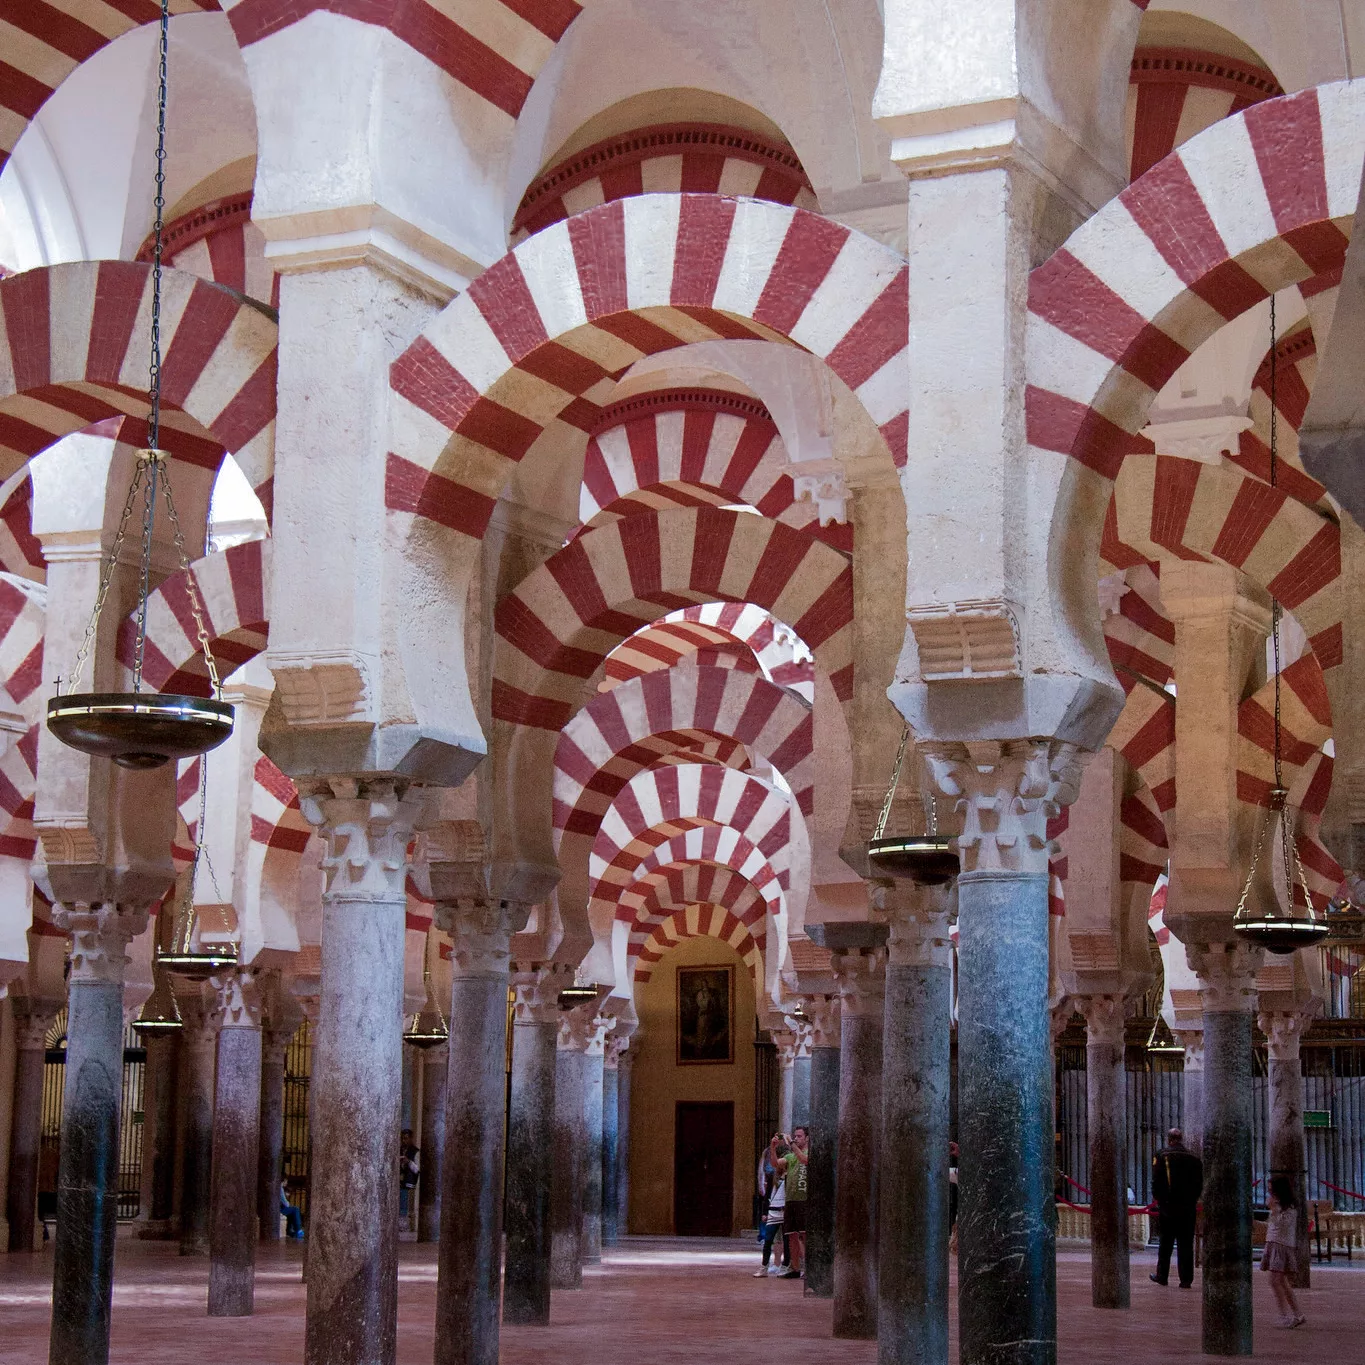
x: 688, y: 870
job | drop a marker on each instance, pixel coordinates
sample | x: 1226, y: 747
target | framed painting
x: 706, y: 1013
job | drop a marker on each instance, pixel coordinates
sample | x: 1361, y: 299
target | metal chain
x: 1274, y: 601
x: 154, y: 369
x: 191, y: 586
x: 891, y: 790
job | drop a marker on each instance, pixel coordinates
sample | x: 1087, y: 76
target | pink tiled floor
x: 652, y: 1303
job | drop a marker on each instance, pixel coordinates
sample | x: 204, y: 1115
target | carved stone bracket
x: 535, y: 991
x: 1192, y: 1040
x: 1227, y: 975
x: 236, y: 999
x: 785, y: 1042
x: 918, y: 920
x: 480, y: 933
x: 1104, y: 1017
x: 585, y: 1030
x: 1006, y: 792
x: 100, y: 934
x: 823, y: 1014
x: 368, y: 825
x: 861, y: 974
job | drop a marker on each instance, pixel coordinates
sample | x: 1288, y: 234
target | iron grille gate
x: 298, y: 1068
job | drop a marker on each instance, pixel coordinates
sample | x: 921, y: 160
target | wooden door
x: 704, y: 1169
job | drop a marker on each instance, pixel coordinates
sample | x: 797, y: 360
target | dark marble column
x: 1227, y: 982
x: 159, y: 1096
x: 435, y: 1067
x: 860, y: 974
x: 531, y: 1147
x: 87, y: 1173
x: 566, y: 1194
x: 594, y: 1065
x: 625, y: 1062
x: 352, y: 1307
x: 823, y: 1013
x: 1288, y: 1145
x: 801, y: 1081
x: 270, y: 1154
x: 1107, y: 1123
x: 912, y: 1278
x: 610, y: 1129
x: 32, y: 1019
x: 198, y: 1054
x: 468, y: 1297
x: 236, y: 1145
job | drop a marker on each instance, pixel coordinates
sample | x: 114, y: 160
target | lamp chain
x: 885, y: 813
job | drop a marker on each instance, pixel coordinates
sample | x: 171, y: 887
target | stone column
x: 1288, y: 1147
x: 270, y: 1153
x: 32, y: 1019
x: 860, y: 973
x: 801, y: 1079
x: 1192, y: 1089
x: 470, y: 1258
x: 625, y: 1062
x: 87, y: 1173
x: 1007, y: 1285
x: 236, y: 1144
x: 594, y: 1027
x: 611, y: 1220
x: 1107, y: 1124
x: 159, y: 1096
x: 566, y: 1196
x: 823, y: 1013
x: 912, y: 1279
x: 1227, y: 987
x: 531, y: 1146
x: 786, y: 1061
x: 352, y: 1308
x: 435, y: 1068
x: 198, y: 1054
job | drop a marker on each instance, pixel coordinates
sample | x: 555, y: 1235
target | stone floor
x: 652, y: 1303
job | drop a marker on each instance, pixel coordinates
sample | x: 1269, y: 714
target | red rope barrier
x: 1350, y: 1194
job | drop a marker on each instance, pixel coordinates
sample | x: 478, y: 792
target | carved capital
x: 236, y: 999
x: 1283, y: 1033
x: 1192, y: 1040
x: 619, y: 1056
x: 368, y: 826
x: 480, y: 933
x: 1104, y: 1016
x: 585, y: 1030
x: 918, y: 920
x: 535, y: 991
x: 32, y: 1019
x: 785, y: 1042
x: 100, y: 935
x: 275, y: 1046
x: 861, y: 974
x: 1059, y: 1016
x: 1006, y: 792
x: 823, y: 1014
x: 1227, y: 975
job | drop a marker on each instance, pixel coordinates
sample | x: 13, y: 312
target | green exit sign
x: 1317, y: 1118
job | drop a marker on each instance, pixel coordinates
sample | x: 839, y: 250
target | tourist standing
x: 794, y: 1169
x: 1177, y: 1181
x: 774, y: 1215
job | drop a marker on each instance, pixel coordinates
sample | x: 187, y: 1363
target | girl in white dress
x: 1281, y: 1257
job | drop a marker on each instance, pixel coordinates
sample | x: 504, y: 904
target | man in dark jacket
x: 1177, y: 1180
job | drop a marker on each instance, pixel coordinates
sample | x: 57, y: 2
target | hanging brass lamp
x: 1161, y: 1041
x: 428, y: 1028
x: 928, y: 859
x: 1262, y: 918
x: 573, y: 996
x: 144, y: 729
x: 160, y: 1014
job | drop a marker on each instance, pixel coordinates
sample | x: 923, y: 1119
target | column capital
x: 585, y: 1030
x: 918, y: 919
x: 368, y: 824
x: 275, y: 1046
x: 618, y: 1054
x: 480, y: 933
x: 824, y: 1016
x: 100, y: 933
x: 1006, y: 791
x: 1059, y: 1016
x: 861, y: 974
x: 236, y: 999
x: 1227, y: 975
x: 785, y: 1042
x: 535, y: 991
x: 200, y: 1036
x: 32, y: 1019
x: 1104, y: 1017
x: 800, y: 1031
x: 1192, y: 1040
x: 1283, y: 1031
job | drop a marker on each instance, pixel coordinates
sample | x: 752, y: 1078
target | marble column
x: 860, y: 973
x: 1007, y: 1294
x: 912, y: 1279
x: 786, y: 1061
x: 1227, y: 988
x: 236, y: 1144
x: 32, y: 1019
x: 87, y: 1173
x: 531, y: 1146
x: 159, y: 1096
x: 198, y: 1054
x: 435, y: 1068
x: 823, y: 1013
x: 1192, y: 1089
x: 352, y: 1306
x: 566, y: 1192
x: 1288, y: 1146
x: 270, y: 1153
x: 1107, y: 1125
x: 801, y: 1081
x: 595, y: 1028
x: 625, y: 1062
x: 610, y: 1135
x: 468, y: 1287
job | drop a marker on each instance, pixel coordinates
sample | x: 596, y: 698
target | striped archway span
x: 219, y: 242
x: 233, y: 587
x: 20, y: 551
x: 701, y: 921
x: 1139, y: 636
x: 706, y: 158
x: 72, y: 353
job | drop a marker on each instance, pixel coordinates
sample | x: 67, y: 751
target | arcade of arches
x: 601, y: 429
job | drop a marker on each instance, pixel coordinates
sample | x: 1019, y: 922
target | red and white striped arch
x: 1145, y: 735
x: 542, y: 335
x: 1325, y: 876
x: 1251, y: 205
x: 669, y: 158
x: 1144, y: 850
x: 1305, y: 725
x: 710, y: 633
x: 73, y: 353
x: 700, y: 921
x: 219, y: 242
x: 1174, y: 93
x: 20, y: 551
x: 555, y: 629
x: 233, y: 587
x: 1140, y: 637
